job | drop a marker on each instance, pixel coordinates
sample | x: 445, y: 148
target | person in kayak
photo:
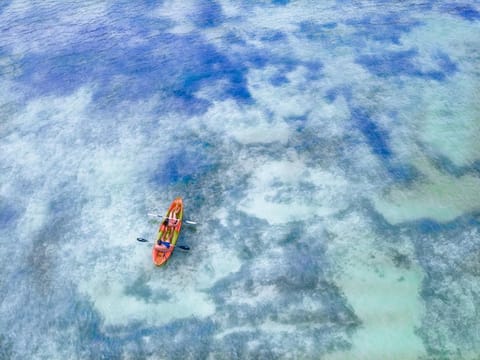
x: 168, y: 231
x: 171, y: 219
x: 173, y: 215
x: 164, y: 246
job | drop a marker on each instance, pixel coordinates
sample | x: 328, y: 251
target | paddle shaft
x: 182, y: 247
x: 190, y: 222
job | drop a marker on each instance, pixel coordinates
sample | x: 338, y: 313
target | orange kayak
x: 168, y: 233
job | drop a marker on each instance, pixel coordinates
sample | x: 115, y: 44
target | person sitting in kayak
x: 168, y: 233
x: 164, y: 246
x: 170, y: 222
x: 172, y: 219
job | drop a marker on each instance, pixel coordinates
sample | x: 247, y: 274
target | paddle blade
x: 154, y: 215
x: 190, y: 222
x: 142, y: 240
x: 184, y: 247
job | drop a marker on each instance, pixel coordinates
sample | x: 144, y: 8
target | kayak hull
x: 168, y: 234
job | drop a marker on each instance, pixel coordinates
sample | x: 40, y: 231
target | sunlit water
x: 329, y: 150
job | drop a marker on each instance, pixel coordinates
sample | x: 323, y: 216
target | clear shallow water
x: 329, y: 151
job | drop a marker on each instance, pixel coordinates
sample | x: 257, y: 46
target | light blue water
x: 329, y: 150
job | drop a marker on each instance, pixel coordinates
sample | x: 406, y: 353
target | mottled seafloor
x: 330, y: 151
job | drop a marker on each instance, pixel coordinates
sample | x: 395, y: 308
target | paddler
x: 172, y: 219
x: 164, y: 246
x: 172, y: 216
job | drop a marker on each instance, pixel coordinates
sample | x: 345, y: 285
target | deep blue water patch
x: 125, y: 7
x: 315, y: 31
x: 93, y: 342
x: 185, y: 166
x: 130, y: 339
x: 466, y: 11
x: 4, y: 4
x: 286, y: 64
x: 476, y: 167
x: 278, y: 80
x: 150, y: 4
x: 446, y: 67
x: 6, y: 347
x: 445, y: 164
x: 142, y: 291
x: 208, y: 14
x: 417, y: 228
x: 342, y: 90
x: 256, y: 58
x: 186, y: 330
x: 397, y: 63
x: 378, y: 140
x: 184, y: 65
x: 427, y: 226
x: 104, y: 54
x: 8, y: 213
x: 390, y: 63
x: 67, y: 198
x: 299, y: 122
x: 280, y: 2
x: 433, y: 228
x: 388, y: 232
x: 446, y: 64
x: 385, y: 28
x: 376, y: 137
x: 402, y: 173
x: 272, y: 36
x: 314, y: 69
x: 232, y: 38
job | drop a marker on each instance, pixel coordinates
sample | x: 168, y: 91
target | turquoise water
x: 329, y: 151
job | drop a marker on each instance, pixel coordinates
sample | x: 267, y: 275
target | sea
x: 329, y: 152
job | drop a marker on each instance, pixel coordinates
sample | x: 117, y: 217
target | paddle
x: 190, y: 222
x: 183, y: 247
